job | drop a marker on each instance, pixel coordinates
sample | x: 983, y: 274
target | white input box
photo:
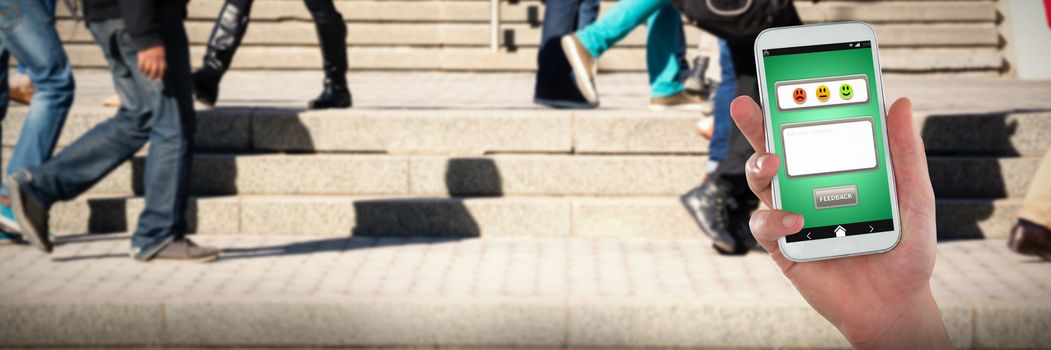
x: 786, y: 92
x: 835, y: 146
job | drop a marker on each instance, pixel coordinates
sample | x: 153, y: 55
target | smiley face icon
x: 799, y: 95
x: 822, y: 93
x: 846, y: 92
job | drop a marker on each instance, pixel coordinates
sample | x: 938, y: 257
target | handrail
x: 494, y: 25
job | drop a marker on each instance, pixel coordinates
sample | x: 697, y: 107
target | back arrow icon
x: 808, y: 235
x: 871, y: 229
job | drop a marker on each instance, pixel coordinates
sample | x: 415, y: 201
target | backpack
x: 732, y: 20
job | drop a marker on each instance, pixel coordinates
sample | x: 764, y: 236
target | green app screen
x: 828, y: 132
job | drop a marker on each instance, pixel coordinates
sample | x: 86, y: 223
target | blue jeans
x: 554, y: 77
x: 49, y: 6
x: 159, y: 112
x: 724, y: 95
x: 664, y: 39
x: 27, y: 31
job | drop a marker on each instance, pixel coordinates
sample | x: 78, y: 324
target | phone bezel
x: 818, y: 34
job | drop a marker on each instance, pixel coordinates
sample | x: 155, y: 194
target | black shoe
x: 740, y: 213
x: 180, y: 250
x: 709, y: 206
x: 333, y: 96
x: 205, y: 88
x: 332, y: 37
x: 31, y: 214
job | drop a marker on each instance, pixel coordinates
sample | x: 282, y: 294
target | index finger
x: 749, y: 119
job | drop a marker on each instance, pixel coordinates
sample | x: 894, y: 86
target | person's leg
x: 724, y: 94
x: 1032, y: 234
x: 167, y: 172
x: 618, y: 23
x: 587, y: 13
x: 554, y: 77
x: 1037, y: 205
x: 36, y: 45
x: 93, y: 155
x: 230, y: 27
x: 664, y: 42
x: 332, y: 35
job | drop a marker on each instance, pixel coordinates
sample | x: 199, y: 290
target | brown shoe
x: 682, y: 101
x: 21, y: 92
x: 183, y: 250
x: 1030, y: 239
x: 584, y: 67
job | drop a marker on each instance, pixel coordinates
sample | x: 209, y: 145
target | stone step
x: 325, y: 292
x: 531, y: 11
x: 515, y: 175
x: 639, y: 217
x: 479, y: 59
x: 296, y: 33
x: 478, y: 132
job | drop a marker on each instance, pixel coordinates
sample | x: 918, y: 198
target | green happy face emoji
x: 846, y: 92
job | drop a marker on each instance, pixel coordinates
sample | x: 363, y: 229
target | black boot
x: 710, y: 206
x: 226, y: 36
x: 332, y: 35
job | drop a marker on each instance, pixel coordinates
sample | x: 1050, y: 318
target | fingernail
x: 790, y: 221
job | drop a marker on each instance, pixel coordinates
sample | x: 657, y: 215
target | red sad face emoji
x: 799, y: 95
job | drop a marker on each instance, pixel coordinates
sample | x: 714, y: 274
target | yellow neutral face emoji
x: 822, y: 93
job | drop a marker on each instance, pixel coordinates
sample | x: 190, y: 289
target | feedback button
x: 833, y: 197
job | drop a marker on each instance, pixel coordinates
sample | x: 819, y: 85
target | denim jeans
x: 664, y: 39
x: 27, y: 31
x: 49, y: 6
x: 554, y: 77
x: 724, y: 95
x: 159, y: 112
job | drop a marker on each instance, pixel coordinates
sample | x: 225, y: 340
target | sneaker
x: 681, y: 101
x: 7, y: 238
x: 708, y: 205
x: 584, y: 67
x: 7, y: 217
x: 21, y: 89
x: 706, y: 127
x: 30, y: 214
x: 111, y: 101
x: 180, y: 250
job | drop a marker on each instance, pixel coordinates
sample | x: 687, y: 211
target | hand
x: 152, y: 62
x: 881, y: 301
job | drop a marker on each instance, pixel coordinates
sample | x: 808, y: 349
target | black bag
x: 731, y: 19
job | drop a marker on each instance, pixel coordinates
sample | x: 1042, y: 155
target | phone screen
x: 827, y: 129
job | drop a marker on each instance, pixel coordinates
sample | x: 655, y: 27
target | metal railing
x: 494, y: 25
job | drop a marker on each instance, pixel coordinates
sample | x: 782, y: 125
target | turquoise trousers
x: 663, y: 38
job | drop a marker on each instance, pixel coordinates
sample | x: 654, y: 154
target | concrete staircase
x: 439, y: 35
x: 466, y: 173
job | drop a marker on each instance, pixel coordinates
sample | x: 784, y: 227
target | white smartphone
x: 822, y: 96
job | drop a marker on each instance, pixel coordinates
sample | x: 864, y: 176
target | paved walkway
x: 593, y: 289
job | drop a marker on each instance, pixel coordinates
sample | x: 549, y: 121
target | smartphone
x: 822, y: 96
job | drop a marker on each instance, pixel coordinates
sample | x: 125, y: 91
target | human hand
x: 152, y: 62
x: 880, y: 301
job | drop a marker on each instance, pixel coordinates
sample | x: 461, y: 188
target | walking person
x: 723, y: 203
x: 27, y: 32
x: 145, y: 44
x: 554, y: 77
x: 231, y: 27
x: 664, y: 51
